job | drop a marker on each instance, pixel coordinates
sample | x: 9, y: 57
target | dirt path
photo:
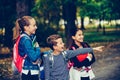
x: 107, y: 65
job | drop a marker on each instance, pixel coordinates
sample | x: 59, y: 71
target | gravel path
x: 107, y: 65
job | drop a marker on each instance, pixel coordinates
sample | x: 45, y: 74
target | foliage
x: 7, y: 18
x: 47, y: 14
x: 43, y: 33
x: 99, y: 8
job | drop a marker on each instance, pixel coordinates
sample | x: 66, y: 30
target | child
x: 81, y: 69
x: 29, y: 48
x: 55, y: 61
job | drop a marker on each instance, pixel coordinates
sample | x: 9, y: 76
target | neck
x: 27, y: 33
x: 56, y: 52
x: 78, y: 44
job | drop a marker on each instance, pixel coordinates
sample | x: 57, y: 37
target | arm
x: 72, y: 53
x: 86, y: 62
x: 79, y: 64
x: 46, y: 66
x: 32, y: 53
x: 99, y: 48
x: 93, y: 59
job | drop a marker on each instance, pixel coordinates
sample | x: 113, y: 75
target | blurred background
x: 99, y: 19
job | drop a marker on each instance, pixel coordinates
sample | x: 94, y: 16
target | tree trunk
x: 69, y: 15
x: 82, y: 23
x: 23, y: 7
x: 99, y: 26
x: 7, y: 13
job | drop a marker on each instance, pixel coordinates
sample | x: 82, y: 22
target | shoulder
x: 24, y: 37
x: 85, y: 44
x: 47, y: 53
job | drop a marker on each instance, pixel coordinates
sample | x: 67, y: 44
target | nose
x: 82, y: 35
x: 63, y: 44
x: 35, y: 27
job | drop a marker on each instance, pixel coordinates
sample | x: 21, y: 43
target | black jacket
x: 86, y: 62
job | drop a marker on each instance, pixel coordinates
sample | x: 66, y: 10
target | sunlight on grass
x: 94, y: 36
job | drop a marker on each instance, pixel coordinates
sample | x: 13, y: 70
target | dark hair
x: 24, y: 21
x: 73, y: 34
x: 51, y: 40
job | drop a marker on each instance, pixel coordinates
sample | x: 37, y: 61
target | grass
x: 94, y: 36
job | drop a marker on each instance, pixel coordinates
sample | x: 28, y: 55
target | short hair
x: 51, y: 40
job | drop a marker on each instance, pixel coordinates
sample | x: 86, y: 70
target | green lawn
x: 91, y: 35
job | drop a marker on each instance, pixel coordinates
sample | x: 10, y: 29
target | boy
x: 55, y: 61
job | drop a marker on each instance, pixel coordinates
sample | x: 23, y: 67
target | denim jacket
x: 25, y: 47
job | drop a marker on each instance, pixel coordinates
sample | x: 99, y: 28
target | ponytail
x: 16, y: 30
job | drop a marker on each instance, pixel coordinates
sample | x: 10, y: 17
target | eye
x: 34, y: 25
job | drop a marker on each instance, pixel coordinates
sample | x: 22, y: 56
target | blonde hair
x: 19, y: 26
x: 16, y: 30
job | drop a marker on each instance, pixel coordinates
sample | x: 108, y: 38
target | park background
x: 99, y: 19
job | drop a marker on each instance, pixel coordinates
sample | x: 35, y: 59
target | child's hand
x: 36, y: 44
x: 36, y: 62
x: 100, y: 48
x: 79, y: 69
x: 90, y: 55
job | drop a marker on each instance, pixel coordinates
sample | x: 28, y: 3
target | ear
x: 25, y: 28
x: 54, y: 47
x: 73, y: 37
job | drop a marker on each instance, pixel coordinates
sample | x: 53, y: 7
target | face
x: 78, y: 36
x: 59, y: 46
x: 32, y: 27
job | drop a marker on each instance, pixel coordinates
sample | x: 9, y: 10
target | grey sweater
x: 59, y: 70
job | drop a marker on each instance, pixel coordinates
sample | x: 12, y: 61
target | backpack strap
x: 64, y: 53
x: 25, y: 36
x: 22, y: 35
x: 51, y: 58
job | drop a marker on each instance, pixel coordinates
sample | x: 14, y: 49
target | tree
x: 47, y: 14
x: 69, y: 15
x: 23, y: 7
x: 82, y: 11
x: 7, y: 14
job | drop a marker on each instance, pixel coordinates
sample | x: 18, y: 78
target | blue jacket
x: 25, y: 47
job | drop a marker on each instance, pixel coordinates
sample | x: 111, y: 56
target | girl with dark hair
x: 81, y: 64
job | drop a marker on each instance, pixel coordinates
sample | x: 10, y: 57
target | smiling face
x: 59, y: 45
x: 32, y: 27
x: 55, y: 42
x: 78, y: 36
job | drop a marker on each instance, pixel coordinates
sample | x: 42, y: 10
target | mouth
x: 62, y: 48
x: 81, y: 39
